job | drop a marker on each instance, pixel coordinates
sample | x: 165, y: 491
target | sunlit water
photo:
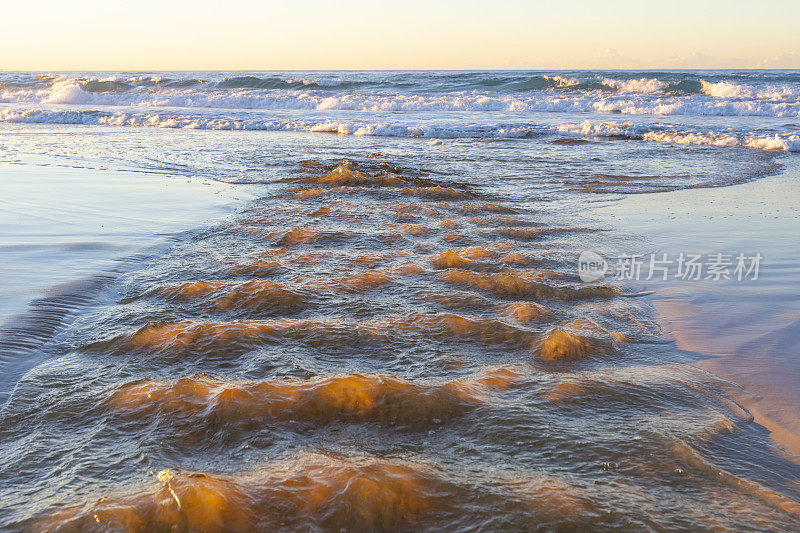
x: 393, y: 335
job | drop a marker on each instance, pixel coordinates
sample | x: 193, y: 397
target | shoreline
x: 73, y: 222
x: 713, y: 321
x: 336, y: 306
x: 745, y: 332
x: 68, y: 232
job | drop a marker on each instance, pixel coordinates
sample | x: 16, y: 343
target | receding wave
x: 373, y: 346
x: 311, y: 491
x: 347, y: 397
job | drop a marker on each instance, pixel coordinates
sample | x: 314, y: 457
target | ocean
x: 352, y: 301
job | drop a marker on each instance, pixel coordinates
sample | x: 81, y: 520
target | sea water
x: 393, y: 333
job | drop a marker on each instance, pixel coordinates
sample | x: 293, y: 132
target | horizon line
x: 570, y: 69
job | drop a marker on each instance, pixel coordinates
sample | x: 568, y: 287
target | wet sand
x: 66, y: 232
x: 747, y: 332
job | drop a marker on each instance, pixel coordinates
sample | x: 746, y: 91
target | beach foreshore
x: 65, y: 230
x: 355, y: 298
x: 78, y: 222
x: 748, y: 331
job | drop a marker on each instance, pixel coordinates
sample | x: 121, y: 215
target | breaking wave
x: 760, y: 140
x: 627, y: 93
x: 628, y: 130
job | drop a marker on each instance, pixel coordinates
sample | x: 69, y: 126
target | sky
x: 412, y: 34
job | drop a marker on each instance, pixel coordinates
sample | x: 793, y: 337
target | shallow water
x: 392, y: 336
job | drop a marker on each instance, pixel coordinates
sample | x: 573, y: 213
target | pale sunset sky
x: 413, y: 34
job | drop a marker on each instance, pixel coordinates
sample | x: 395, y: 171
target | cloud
x: 697, y: 60
x: 786, y: 60
x: 612, y: 59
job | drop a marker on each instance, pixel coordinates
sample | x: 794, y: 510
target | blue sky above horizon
x: 415, y: 34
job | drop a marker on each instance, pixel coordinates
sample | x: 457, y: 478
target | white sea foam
x: 790, y: 143
x: 637, y: 97
x: 725, y: 89
x: 658, y: 133
x: 384, y: 129
x: 641, y: 85
x: 451, y: 105
x: 430, y: 129
x: 562, y: 81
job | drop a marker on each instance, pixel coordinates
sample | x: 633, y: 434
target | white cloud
x: 786, y: 60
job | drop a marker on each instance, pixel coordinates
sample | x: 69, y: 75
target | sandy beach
x: 745, y: 331
x: 66, y: 232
